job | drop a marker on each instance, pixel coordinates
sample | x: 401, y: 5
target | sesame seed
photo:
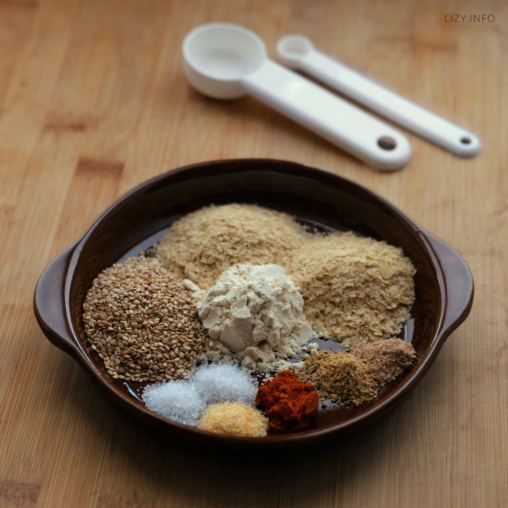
x: 123, y: 339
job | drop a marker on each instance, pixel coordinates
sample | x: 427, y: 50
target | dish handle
x: 457, y: 285
x: 49, y: 302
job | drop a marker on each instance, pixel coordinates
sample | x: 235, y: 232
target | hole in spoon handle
x: 329, y: 116
x: 416, y: 119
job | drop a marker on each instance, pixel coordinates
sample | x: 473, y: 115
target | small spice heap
x: 235, y: 419
x: 386, y: 359
x: 176, y: 400
x: 203, y: 244
x: 288, y: 403
x: 355, y: 289
x: 222, y: 383
x: 143, y: 323
x: 340, y: 377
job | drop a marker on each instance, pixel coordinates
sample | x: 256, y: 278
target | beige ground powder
x: 340, y: 377
x: 355, y: 289
x: 204, y: 244
x: 255, y: 311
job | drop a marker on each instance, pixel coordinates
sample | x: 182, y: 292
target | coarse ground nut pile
x: 356, y: 289
x: 143, y: 323
x: 204, y: 244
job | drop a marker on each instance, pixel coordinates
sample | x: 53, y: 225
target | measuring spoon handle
x: 325, y: 114
x: 390, y: 105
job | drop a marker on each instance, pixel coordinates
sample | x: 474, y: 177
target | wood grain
x: 93, y: 100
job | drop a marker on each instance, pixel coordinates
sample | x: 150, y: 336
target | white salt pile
x: 186, y: 401
x: 176, y: 400
x: 222, y: 383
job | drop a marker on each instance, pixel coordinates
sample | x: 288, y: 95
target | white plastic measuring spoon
x: 226, y: 61
x: 298, y: 52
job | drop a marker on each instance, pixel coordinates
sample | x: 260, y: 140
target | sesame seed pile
x: 143, y: 323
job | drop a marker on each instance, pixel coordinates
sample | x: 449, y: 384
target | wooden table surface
x: 93, y: 101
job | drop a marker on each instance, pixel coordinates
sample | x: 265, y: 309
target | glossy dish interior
x: 444, y: 286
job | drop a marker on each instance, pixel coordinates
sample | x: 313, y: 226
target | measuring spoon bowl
x: 226, y: 61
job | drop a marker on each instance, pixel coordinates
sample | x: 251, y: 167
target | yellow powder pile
x: 340, y: 377
x: 204, y: 244
x: 234, y: 418
x: 355, y: 289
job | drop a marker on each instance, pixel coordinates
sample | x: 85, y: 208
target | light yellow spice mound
x: 234, y: 418
x: 204, y: 244
x: 355, y: 289
x: 340, y: 377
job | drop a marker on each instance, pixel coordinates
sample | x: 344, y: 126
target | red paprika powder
x: 288, y: 403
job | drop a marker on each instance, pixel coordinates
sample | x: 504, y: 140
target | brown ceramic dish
x: 444, y: 286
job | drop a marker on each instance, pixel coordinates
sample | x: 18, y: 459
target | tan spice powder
x: 387, y: 359
x: 355, y: 289
x: 204, y: 244
x: 234, y: 418
x: 340, y: 377
x: 143, y: 323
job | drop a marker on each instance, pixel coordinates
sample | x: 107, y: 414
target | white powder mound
x: 176, y: 400
x: 221, y: 383
x: 255, y: 311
